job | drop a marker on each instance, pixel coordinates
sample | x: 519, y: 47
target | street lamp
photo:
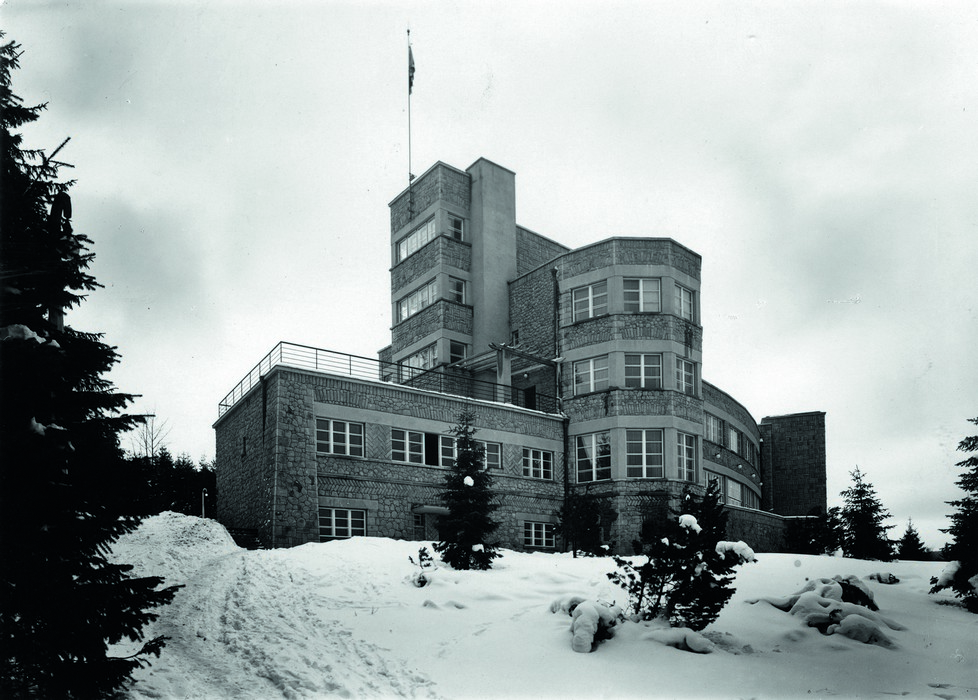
x: 203, y: 493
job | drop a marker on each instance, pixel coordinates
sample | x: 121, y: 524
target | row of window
x: 733, y: 492
x: 644, y: 455
x: 341, y: 523
x: 416, y: 447
x: 642, y: 371
x: 427, y: 294
x: 427, y: 357
x: 425, y: 233
x: 641, y: 295
x: 721, y: 433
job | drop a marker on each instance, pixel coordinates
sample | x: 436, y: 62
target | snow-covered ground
x: 343, y: 619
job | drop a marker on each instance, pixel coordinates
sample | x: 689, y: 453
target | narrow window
x: 456, y: 290
x: 685, y: 376
x: 457, y: 351
x: 686, y: 456
x: 714, y: 429
x: 684, y: 303
x: 456, y: 227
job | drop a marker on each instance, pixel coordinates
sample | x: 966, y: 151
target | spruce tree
x: 962, y: 573
x: 581, y: 519
x: 862, y: 517
x: 466, y: 528
x: 62, y: 602
x: 910, y: 547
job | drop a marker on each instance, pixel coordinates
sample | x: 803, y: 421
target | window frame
x: 643, y: 367
x: 349, y: 520
x: 455, y: 290
x: 595, y: 302
x: 685, y: 370
x: 538, y: 464
x: 349, y: 442
x: 419, y: 237
x: 684, y: 310
x: 539, y: 535
x: 413, y: 446
x: 686, y: 456
x: 417, y: 300
x: 641, y: 464
x: 639, y: 303
x: 596, y: 449
x: 589, y: 368
x: 458, y: 233
x: 714, y: 429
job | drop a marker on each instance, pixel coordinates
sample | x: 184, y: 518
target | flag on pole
x: 410, y: 70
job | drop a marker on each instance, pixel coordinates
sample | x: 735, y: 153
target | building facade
x: 583, y: 369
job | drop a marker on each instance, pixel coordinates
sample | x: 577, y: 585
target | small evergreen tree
x: 962, y: 550
x: 812, y: 535
x: 862, y: 516
x: 468, y: 495
x: 580, y: 521
x: 62, y: 602
x: 910, y: 546
x: 687, y: 576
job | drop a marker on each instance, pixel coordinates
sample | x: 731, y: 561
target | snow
x: 468, y: 481
x: 689, y: 522
x: 741, y: 549
x: 343, y: 619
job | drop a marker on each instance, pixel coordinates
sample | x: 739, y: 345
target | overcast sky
x: 235, y: 162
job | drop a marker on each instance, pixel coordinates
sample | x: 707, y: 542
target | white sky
x: 235, y: 161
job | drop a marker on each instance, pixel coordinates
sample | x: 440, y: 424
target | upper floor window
x: 686, y: 456
x: 456, y: 290
x: 491, y: 453
x: 751, y: 452
x: 733, y: 440
x: 644, y: 456
x: 685, y: 306
x: 456, y: 227
x: 593, y: 457
x: 424, y: 359
x: 590, y: 301
x: 685, y: 376
x: 339, y: 437
x: 412, y: 447
x: 643, y: 371
x: 457, y: 351
x: 538, y: 464
x: 642, y: 294
x: 412, y: 242
x: 418, y: 299
x: 714, y: 429
x: 591, y: 375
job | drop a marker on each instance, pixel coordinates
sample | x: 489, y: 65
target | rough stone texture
x: 764, y: 532
x: 634, y: 402
x: 440, y: 182
x: 533, y: 250
x: 531, y: 311
x: 793, y: 463
x: 630, y: 251
x: 441, y: 251
x: 442, y: 315
x: 627, y: 327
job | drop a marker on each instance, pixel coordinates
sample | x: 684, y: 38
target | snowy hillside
x: 343, y: 619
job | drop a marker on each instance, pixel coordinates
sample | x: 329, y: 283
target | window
x: 420, y: 527
x: 423, y: 359
x: 643, y: 371
x: 492, y: 453
x: 591, y: 375
x: 417, y: 300
x: 244, y: 446
x: 685, y: 376
x: 751, y: 452
x: 412, y: 242
x: 336, y: 523
x: 590, y: 301
x: 721, y: 483
x: 456, y: 290
x: 733, y: 440
x: 456, y: 227
x: 538, y: 464
x: 734, y: 493
x: 457, y: 351
x: 686, y: 456
x: 407, y: 446
x: 643, y: 449
x: 339, y: 437
x: 540, y: 535
x: 750, y: 499
x: 684, y: 303
x: 642, y: 295
x: 593, y: 457
x: 714, y: 429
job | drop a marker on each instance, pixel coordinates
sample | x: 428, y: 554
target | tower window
x: 643, y: 371
x: 684, y: 303
x: 456, y: 227
x: 642, y: 294
x: 590, y: 301
x: 413, y: 242
x: 685, y: 376
x: 456, y: 290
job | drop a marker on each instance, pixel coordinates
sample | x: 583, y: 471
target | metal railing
x: 455, y: 382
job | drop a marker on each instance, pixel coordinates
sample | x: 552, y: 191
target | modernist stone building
x: 583, y: 369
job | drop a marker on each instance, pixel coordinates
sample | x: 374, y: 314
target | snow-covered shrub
x: 686, y: 578
x: 592, y: 621
x: 425, y: 564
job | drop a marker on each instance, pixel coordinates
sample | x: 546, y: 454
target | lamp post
x: 203, y: 493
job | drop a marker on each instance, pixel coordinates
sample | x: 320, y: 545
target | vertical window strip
x: 593, y: 457
x: 686, y: 456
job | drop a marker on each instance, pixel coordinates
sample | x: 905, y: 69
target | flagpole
x: 410, y: 85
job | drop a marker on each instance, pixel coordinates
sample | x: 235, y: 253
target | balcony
x: 451, y: 381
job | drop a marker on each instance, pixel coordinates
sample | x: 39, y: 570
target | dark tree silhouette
x: 581, y: 519
x: 62, y: 602
x: 862, y: 517
x: 468, y: 495
x: 962, y: 573
x: 910, y: 546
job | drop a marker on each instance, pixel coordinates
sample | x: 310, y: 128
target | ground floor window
x: 337, y: 523
x: 420, y: 527
x: 539, y: 535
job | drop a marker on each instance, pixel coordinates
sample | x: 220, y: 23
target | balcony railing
x: 456, y: 382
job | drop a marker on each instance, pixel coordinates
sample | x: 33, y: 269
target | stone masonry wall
x: 531, y: 311
x: 440, y: 182
x: 793, y: 463
x: 630, y: 251
x: 533, y: 250
x: 632, y: 402
x: 441, y: 250
x: 627, y: 327
x: 443, y: 314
